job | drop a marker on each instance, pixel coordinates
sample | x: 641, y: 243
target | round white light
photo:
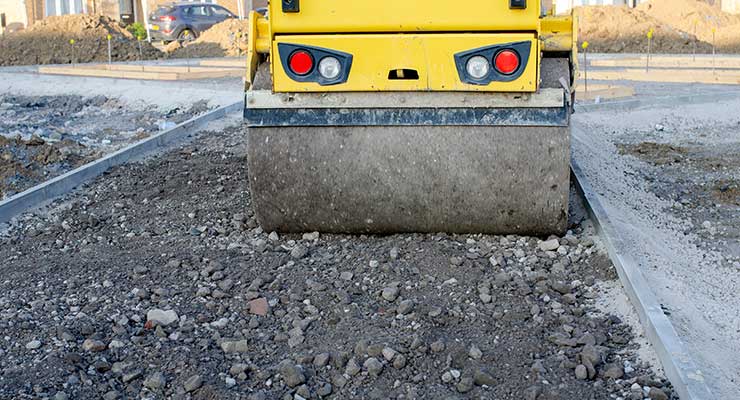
x: 330, y: 67
x: 477, y: 67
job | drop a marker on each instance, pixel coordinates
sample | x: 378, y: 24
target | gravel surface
x: 45, y: 136
x: 670, y: 178
x: 156, y: 282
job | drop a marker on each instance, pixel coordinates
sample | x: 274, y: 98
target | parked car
x: 185, y: 21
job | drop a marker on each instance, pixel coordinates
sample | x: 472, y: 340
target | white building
x: 14, y: 12
x: 731, y: 6
x: 563, y: 6
x: 63, y: 7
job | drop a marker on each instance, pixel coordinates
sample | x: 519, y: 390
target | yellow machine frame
x: 394, y: 140
x: 432, y: 55
x: 362, y: 16
x: 415, y: 44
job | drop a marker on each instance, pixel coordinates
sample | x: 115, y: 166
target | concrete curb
x: 664, y: 101
x: 678, y: 364
x: 43, y: 193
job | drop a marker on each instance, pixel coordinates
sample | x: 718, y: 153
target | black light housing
x: 522, y: 49
x: 515, y: 4
x: 291, y: 6
x: 286, y: 50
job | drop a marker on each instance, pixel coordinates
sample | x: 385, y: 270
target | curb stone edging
x: 677, y: 362
x: 637, y: 103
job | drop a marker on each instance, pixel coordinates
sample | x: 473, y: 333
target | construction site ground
x: 671, y: 173
x: 259, y: 315
x: 50, y: 124
x: 263, y: 315
x: 672, y: 176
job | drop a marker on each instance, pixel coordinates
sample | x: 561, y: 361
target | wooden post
x: 695, y: 23
x: 650, y: 39
x: 110, y: 56
x: 74, y: 53
x: 714, y: 51
x: 145, y: 10
x: 584, y: 45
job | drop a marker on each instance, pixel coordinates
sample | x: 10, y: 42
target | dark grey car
x: 185, y: 21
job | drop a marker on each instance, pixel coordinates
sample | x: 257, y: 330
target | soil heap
x: 610, y: 29
x: 72, y: 39
x: 678, y: 26
x: 228, y: 38
x: 699, y: 18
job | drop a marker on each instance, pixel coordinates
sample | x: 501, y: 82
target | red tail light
x: 301, y: 62
x: 167, y: 18
x: 506, y: 61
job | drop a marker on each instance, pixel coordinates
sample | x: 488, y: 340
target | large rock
x: 482, y: 377
x: 155, y: 381
x: 234, y: 346
x: 292, y: 374
x: 373, y: 366
x: 159, y: 317
x: 193, y: 383
x: 259, y: 306
x: 549, y: 245
x: 390, y: 293
x: 93, y: 345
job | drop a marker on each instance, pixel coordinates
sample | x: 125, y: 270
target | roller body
x: 492, y: 179
x: 424, y: 122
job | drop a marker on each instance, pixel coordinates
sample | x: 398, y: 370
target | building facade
x: 15, y: 14
x: 564, y: 6
x: 24, y: 12
x: 731, y: 6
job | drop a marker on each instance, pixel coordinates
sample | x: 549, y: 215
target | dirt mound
x: 611, y: 29
x: 228, y: 38
x: 656, y: 153
x: 700, y: 18
x: 72, y: 39
x: 79, y: 25
x: 727, y: 191
x: 676, y: 24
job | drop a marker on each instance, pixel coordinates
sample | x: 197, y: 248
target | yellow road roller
x: 386, y: 116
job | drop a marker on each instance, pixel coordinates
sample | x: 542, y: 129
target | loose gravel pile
x: 156, y: 282
x: 78, y: 38
x: 45, y: 136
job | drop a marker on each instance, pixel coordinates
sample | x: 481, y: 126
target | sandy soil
x: 668, y: 178
x: 678, y: 26
x: 610, y: 29
x: 709, y: 23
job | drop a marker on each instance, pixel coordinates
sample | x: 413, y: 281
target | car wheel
x: 186, y: 36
